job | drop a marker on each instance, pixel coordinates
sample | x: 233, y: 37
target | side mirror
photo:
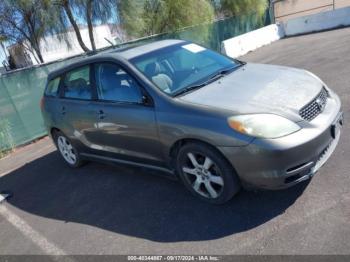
x: 145, y: 100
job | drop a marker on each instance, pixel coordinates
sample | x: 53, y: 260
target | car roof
x: 121, y: 53
x: 147, y: 48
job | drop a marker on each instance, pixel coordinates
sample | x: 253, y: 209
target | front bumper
x: 283, y: 162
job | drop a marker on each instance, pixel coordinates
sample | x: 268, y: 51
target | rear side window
x: 77, y: 83
x: 52, y: 87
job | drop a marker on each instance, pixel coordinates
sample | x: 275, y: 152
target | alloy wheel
x: 67, y: 150
x: 203, y: 175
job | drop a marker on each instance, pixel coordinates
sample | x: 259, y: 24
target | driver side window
x: 116, y: 85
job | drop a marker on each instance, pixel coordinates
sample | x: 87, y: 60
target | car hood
x: 257, y: 88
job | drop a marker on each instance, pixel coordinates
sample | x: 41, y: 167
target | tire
x: 67, y: 151
x: 206, y: 173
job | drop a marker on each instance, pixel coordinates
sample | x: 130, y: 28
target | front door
x: 127, y: 126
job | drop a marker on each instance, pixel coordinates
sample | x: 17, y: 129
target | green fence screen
x: 21, y: 91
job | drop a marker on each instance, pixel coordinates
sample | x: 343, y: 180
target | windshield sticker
x: 193, y: 48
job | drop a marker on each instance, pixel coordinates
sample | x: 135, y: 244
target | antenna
x: 110, y: 42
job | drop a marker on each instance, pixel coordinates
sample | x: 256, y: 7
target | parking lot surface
x: 105, y: 209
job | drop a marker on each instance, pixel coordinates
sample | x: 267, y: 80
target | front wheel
x: 206, y: 173
x: 67, y: 150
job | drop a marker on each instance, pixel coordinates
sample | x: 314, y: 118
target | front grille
x: 316, y: 106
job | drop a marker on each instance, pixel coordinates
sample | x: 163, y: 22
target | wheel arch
x: 54, y: 130
x: 174, y: 149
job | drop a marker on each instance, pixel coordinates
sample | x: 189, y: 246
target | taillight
x: 42, y: 103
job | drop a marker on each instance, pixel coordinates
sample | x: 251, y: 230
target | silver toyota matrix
x: 215, y: 122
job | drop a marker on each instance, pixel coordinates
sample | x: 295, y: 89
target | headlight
x: 263, y: 125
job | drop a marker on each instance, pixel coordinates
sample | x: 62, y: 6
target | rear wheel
x: 206, y: 173
x: 67, y: 150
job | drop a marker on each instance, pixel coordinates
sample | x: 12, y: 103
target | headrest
x: 152, y: 69
x: 79, y: 83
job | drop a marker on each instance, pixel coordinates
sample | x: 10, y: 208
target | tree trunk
x: 74, y: 24
x: 30, y: 49
x: 89, y: 22
x: 37, y: 50
x: 38, y: 53
x: 33, y: 38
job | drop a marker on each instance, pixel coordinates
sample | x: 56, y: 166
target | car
x: 216, y: 123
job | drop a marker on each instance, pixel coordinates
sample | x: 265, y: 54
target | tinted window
x: 174, y: 68
x: 114, y: 84
x: 77, y: 83
x: 52, y: 87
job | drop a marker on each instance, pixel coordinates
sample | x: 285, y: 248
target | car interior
x: 114, y: 84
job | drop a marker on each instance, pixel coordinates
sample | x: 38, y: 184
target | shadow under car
x: 135, y: 202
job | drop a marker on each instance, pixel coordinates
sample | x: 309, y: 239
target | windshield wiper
x: 211, y: 79
x: 189, y: 88
x: 222, y: 73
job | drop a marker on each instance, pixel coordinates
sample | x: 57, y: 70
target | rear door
x: 78, y: 109
x: 127, y: 125
x: 50, y: 104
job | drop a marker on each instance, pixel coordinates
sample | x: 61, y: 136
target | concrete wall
x: 240, y: 45
x: 245, y: 43
x: 285, y: 10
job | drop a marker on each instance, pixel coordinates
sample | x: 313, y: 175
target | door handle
x: 63, y: 111
x: 101, y: 114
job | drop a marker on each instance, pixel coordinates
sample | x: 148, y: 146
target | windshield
x: 182, y: 67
